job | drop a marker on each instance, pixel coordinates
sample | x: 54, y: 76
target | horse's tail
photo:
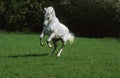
x: 71, y: 38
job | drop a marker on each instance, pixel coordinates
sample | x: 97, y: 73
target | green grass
x: 21, y: 56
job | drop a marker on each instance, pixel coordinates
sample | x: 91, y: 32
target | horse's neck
x: 55, y: 20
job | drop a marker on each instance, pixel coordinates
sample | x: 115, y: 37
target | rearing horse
x: 56, y: 31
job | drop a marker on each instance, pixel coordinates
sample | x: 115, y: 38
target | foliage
x: 89, y: 17
x: 23, y: 15
x: 93, y: 17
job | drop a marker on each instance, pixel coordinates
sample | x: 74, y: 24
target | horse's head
x: 49, y: 13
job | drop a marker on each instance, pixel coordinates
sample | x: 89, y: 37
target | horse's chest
x: 47, y: 30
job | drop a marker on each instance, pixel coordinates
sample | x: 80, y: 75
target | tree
x: 83, y: 17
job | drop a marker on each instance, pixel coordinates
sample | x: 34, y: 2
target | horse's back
x: 61, y: 29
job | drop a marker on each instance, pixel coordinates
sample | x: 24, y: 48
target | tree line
x: 83, y: 17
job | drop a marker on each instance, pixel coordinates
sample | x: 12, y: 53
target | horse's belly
x: 57, y: 36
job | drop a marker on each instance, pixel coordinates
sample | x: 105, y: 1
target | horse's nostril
x: 48, y: 18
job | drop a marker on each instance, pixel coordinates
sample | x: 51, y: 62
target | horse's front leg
x: 49, y: 39
x: 41, y: 36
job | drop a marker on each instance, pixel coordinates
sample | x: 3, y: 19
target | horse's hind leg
x: 63, y: 44
x: 55, y: 46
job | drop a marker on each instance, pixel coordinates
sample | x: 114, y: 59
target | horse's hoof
x: 50, y: 46
x: 57, y: 55
x: 42, y: 44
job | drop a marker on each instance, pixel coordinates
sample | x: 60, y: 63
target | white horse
x: 56, y: 31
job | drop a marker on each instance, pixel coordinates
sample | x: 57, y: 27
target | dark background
x: 88, y: 18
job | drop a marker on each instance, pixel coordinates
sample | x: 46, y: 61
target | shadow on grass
x: 28, y: 55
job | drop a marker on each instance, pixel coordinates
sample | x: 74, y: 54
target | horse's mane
x: 51, y: 9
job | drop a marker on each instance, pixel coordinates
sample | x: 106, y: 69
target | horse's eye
x: 48, y: 18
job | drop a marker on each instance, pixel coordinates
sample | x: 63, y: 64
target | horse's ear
x: 53, y: 12
x: 45, y: 9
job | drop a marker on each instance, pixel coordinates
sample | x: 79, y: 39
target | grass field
x: 21, y: 56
